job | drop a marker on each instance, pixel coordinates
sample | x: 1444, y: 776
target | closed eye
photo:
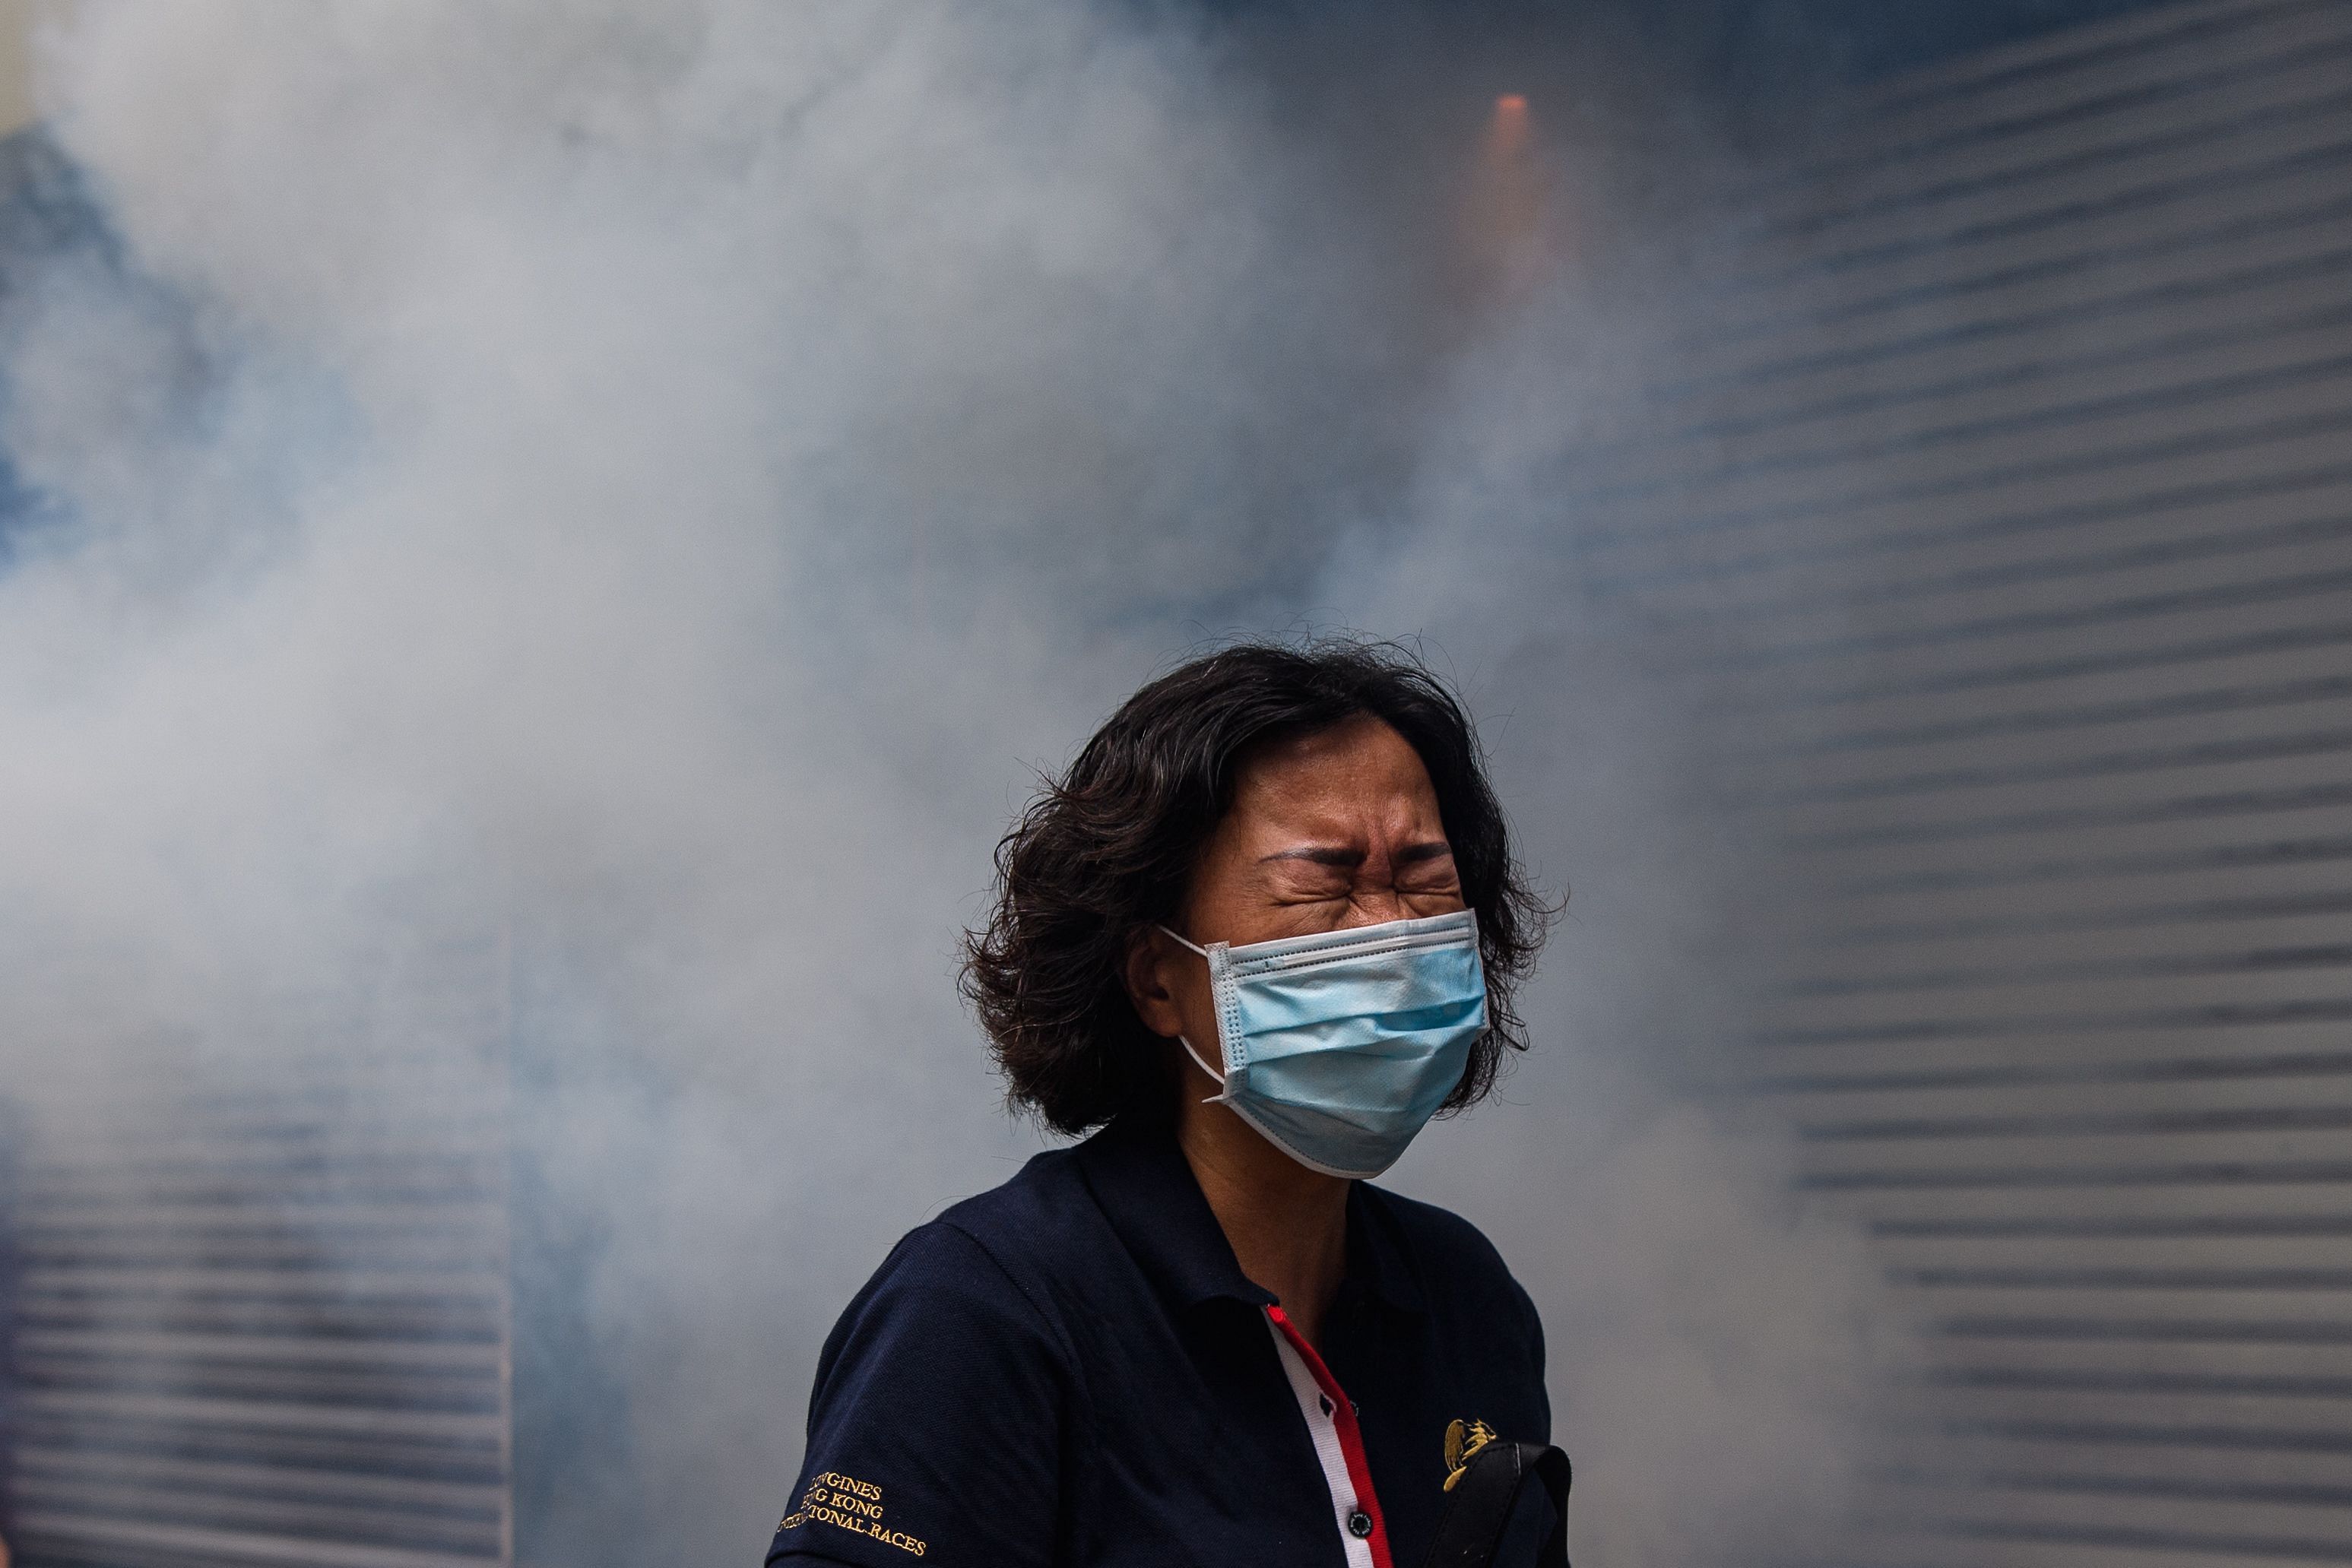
x: 1347, y: 857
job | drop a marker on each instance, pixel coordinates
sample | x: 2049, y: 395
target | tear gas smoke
x: 656, y: 481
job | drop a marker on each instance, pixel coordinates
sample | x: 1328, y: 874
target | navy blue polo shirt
x: 1072, y: 1369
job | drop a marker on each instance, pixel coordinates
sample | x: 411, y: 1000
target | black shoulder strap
x: 1479, y: 1507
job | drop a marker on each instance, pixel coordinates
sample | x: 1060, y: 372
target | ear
x: 1149, y: 977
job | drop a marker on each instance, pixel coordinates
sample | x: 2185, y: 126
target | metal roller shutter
x: 2004, y: 499
x: 261, y: 1301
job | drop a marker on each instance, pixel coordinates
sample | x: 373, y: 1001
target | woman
x: 1265, y: 927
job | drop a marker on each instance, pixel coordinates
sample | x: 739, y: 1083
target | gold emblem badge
x: 1464, y: 1439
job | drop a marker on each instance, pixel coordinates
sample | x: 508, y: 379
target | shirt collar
x: 1146, y: 1189
x: 1377, y: 1257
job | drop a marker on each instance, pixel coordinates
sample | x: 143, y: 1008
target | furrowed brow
x: 1321, y: 855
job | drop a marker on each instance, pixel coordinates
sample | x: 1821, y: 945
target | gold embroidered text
x: 847, y: 1503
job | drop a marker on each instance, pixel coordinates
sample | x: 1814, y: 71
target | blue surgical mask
x: 1341, y: 1046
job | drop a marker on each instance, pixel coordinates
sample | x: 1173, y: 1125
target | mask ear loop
x: 1187, y: 1044
x: 1220, y: 1094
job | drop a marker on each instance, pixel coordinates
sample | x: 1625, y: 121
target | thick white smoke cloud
x: 655, y: 479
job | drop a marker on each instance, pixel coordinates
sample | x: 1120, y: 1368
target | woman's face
x: 1328, y: 830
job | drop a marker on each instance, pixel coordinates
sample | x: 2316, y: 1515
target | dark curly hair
x: 1107, y: 851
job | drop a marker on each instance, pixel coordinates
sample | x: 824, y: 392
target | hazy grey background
x: 657, y: 482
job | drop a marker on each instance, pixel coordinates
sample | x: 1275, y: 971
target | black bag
x: 1480, y: 1501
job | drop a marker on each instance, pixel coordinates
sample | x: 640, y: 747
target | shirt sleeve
x: 939, y: 1420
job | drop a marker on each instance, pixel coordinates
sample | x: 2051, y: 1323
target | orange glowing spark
x: 1503, y: 210
x: 1506, y: 133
